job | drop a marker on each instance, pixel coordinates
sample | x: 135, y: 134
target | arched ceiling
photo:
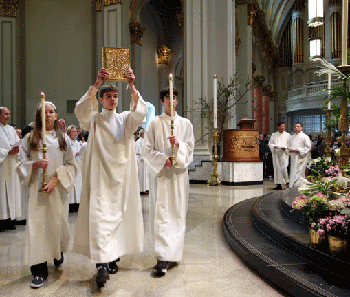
x: 277, y: 13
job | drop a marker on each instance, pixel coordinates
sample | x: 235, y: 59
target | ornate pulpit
x: 241, y: 145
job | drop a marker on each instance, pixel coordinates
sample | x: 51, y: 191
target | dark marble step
x: 284, y: 269
x: 284, y: 227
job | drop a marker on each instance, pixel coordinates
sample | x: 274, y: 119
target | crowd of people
x: 99, y: 169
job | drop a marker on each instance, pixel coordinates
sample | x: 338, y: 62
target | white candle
x: 171, y: 96
x: 215, y: 102
x: 43, y: 124
x: 344, y: 49
x: 329, y: 88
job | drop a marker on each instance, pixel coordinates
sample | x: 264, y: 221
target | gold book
x: 117, y: 62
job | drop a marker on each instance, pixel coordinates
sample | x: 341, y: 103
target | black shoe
x: 112, y: 267
x: 102, y: 276
x: 278, y: 187
x: 161, y: 268
x: 37, y: 282
x: 58, y: 263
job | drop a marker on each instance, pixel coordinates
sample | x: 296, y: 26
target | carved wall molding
x: 8, y: 8
x: 137, y: 31
x: 163, y: 54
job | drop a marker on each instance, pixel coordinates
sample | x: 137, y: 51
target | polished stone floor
x: 209, y: 268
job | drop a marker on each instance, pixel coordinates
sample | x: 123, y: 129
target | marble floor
x: 209, y: 268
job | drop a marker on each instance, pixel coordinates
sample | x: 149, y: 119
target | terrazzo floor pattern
x: 209, y: 267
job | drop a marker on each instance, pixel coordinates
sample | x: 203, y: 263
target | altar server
x: 110, y: 222
x: 169, y: 185
x: 47, y: 230
x: 74, y: 194
x: 278, y: 144
x: 299, y: 147
x: 10, y: 190
x: 142, y: 168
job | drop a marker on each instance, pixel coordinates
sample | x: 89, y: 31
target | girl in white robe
x: 74, y: 195
x: 47, y: 232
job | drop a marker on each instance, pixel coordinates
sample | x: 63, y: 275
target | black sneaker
x: 112, y: 267
x: 58, y: 263
x: 37, y: 282
x: 161, y: 268
x: 102, y: 276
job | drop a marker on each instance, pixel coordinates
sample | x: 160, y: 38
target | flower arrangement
x: 319, y: 166
x: 333, y: 171
x: 337, y: 225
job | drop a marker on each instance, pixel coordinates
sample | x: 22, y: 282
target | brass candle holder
x: 328, y: 150
x: 44, y: 150
x: 214, y: 176
x: 173, y: 159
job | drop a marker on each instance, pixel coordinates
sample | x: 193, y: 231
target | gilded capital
x: 266, y: 90
x: 98, y: 5
x: 251, y: 16
x: 163, y: 54
x: 8, y: 8
x: 137, y: 31
x: 258, y: 81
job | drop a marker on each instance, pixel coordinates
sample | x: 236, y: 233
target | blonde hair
x: 35, y: 135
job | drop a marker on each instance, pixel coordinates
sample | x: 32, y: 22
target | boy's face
x: 298, y: 128
x: 110, y: 100
x: 281, y: 128
x: 166, y: 103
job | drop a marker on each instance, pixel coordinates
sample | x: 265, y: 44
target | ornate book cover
x: 117, y: 62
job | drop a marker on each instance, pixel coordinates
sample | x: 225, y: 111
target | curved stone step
x: 279, y: 266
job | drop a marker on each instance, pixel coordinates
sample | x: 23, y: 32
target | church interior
x: 55, y: 47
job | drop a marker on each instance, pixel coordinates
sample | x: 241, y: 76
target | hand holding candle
x: 215, y: 102
x: 43, y: 124
x: 171, y: 96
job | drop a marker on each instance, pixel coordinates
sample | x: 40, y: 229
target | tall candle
x: 171, y: 96
x: 344, y: 48
x: 329, y: 88
x: 215, y: 102
x: 43, y: 124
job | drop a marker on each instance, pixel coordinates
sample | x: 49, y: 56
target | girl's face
x: 50, y: 117
x: 73, y: 133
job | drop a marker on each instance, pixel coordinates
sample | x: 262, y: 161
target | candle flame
x: 170, y: 76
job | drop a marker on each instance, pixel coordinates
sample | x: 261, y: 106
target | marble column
x: 266, y: 108
x: 196, y: 71
x: 8, y: 76
x: 258, y: 102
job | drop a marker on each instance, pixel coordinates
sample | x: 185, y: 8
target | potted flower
x: 336, y: 228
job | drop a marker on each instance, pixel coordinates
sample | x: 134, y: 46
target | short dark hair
x: 166, y: 91
x: 108, y: 88
x: 299, y: 124
x: 280, y: 123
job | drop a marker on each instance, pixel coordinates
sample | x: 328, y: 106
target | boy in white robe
x: 10, y: 190
x: 169, y: 185
x: 109, y: 223
x: 299, y: 147
x: 278, y: 144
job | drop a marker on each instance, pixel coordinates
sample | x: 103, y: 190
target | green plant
x: 227, y: 97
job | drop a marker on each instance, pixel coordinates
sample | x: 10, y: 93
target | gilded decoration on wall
x: 117, y: 62
x: 181, y: 19
x: 163, y: 54
x: 266, y: 90
x: 111, y: 2
x: 272, y: 96
x: 137, y: 32
x: 98, y: 5
x: 8, y: 8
